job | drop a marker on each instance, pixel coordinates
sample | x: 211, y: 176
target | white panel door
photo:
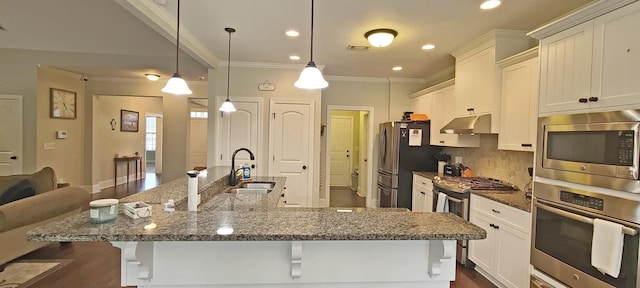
x: 239, y: 129
x: 10, y: 134
x: 198, y: 142
x: 341, y: 149
x: 291, y: 143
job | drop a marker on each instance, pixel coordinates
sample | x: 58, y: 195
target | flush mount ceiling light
x: 311, y: 77
x: 227, y: 106
x: 490, y: 4
x: 381, y: 37
x: 152, y: 77
x: 176, y: 85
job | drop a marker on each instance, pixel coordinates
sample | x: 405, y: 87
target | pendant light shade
x: 311, y: 77
x: 176, y: 85
x: 227, y: 106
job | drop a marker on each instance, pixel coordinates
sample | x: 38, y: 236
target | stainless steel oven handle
x: 454, y: 199
x: 580, y: 218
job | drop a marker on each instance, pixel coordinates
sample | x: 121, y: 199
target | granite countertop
x: 254, y: 217
x: 516, y: 199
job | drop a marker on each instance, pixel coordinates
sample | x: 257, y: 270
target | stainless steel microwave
x: 596, y: 149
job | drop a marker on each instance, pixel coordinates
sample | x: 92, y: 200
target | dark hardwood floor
x: 97, y: 264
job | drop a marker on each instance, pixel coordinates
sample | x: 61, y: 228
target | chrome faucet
x: 232, y: 176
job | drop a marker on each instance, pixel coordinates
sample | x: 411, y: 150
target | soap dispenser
x: 246, y: 171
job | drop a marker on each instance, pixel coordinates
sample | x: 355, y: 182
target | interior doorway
x: 153, y: 144
x: 197, y: 154
x: 349, y: 147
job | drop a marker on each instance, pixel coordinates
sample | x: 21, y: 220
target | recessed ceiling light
x: 292, y: 33
x: 152, y: 77
x: 489, y: 4
x: 294, y: 57
x: 397, y: 68
x: 428, y: 47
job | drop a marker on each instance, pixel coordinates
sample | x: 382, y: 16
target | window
x: 151, y: 134
x: 199, y: 114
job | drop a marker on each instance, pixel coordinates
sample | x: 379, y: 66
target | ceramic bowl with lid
x: 103, y: 210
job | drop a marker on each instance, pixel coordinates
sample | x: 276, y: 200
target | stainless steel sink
x: 248, y: 191
x: 258, y: 185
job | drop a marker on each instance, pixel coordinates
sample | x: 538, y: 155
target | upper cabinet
x: 438, y: 102
x: 478, y: 78
x: 590, y: 59
x: 519, y: 95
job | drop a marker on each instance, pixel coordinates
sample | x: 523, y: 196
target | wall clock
x: 63, y: 104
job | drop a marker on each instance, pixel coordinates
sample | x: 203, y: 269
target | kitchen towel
x: 606, y: 247
x: 442, y: 205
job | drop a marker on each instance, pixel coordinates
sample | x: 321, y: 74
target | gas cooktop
x: 464, y: 184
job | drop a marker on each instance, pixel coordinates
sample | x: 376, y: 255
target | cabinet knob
x: 593, y: 99
x: 495, y: 211
x: 583, y: 100
x: 423, y: 193
x: 441, y: 141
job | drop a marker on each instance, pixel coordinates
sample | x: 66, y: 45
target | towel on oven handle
x: 443, y: 204
x: 606, y: 247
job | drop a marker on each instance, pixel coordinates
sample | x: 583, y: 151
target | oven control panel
x: 582, y: 200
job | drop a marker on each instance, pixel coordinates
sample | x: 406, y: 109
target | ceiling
x: 147, y: 28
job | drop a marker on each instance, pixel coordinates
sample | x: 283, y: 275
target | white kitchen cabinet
x: 565, y: 69
x: 519, y: 96
x: 422, y: 194
x: 592, y: 66
x: 440, y: 108
x: 616, y: 58
x: 503, y: 256
x: 478, y: 78
x: 421, y: 104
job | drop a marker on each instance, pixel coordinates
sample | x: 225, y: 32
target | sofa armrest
x: 41, y: 207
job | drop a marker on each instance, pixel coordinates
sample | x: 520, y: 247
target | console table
x: 128, y: 160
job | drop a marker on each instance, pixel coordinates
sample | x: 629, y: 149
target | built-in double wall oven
x: 586, y: 169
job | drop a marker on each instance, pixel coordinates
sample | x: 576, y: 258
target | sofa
x: 33, y: 200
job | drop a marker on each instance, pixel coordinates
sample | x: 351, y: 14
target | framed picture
x: 128, y: 121
x: 62, y: 104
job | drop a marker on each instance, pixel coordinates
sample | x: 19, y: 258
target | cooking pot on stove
x: 452, y: 170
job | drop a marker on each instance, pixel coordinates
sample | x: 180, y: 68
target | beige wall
x: 108, y: 142
x: 487, y: 160
x: 67, y: 157
x: 175, y: 114
x: 19, y: 76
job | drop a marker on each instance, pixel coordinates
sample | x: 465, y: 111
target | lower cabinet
x: 503, y: 257
x: 422, y: 194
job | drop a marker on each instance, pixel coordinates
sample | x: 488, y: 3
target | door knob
x: 14, y: 157
x: 304, y: 167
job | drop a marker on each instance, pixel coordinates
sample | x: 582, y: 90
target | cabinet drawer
x: 518, y: 218
x: 422, y: 181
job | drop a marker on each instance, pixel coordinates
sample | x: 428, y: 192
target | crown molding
x: 578, y: 16
x: 522, y: 56
x: 486, y: 40
x: 433, y: 88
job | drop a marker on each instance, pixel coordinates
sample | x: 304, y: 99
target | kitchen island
x: 248, y: 241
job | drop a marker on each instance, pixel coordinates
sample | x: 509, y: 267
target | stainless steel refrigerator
x: 403, y: 148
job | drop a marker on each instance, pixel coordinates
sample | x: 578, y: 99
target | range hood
x: 476, y: 124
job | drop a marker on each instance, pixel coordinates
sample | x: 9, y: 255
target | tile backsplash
x: 488, y: 161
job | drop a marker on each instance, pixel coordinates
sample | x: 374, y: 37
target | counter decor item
x: 103, y: 210
x: 137, y: 210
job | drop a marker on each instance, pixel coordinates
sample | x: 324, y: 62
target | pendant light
x: 176, y: 85
x: 227, y: 106
x: 311, y: 77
